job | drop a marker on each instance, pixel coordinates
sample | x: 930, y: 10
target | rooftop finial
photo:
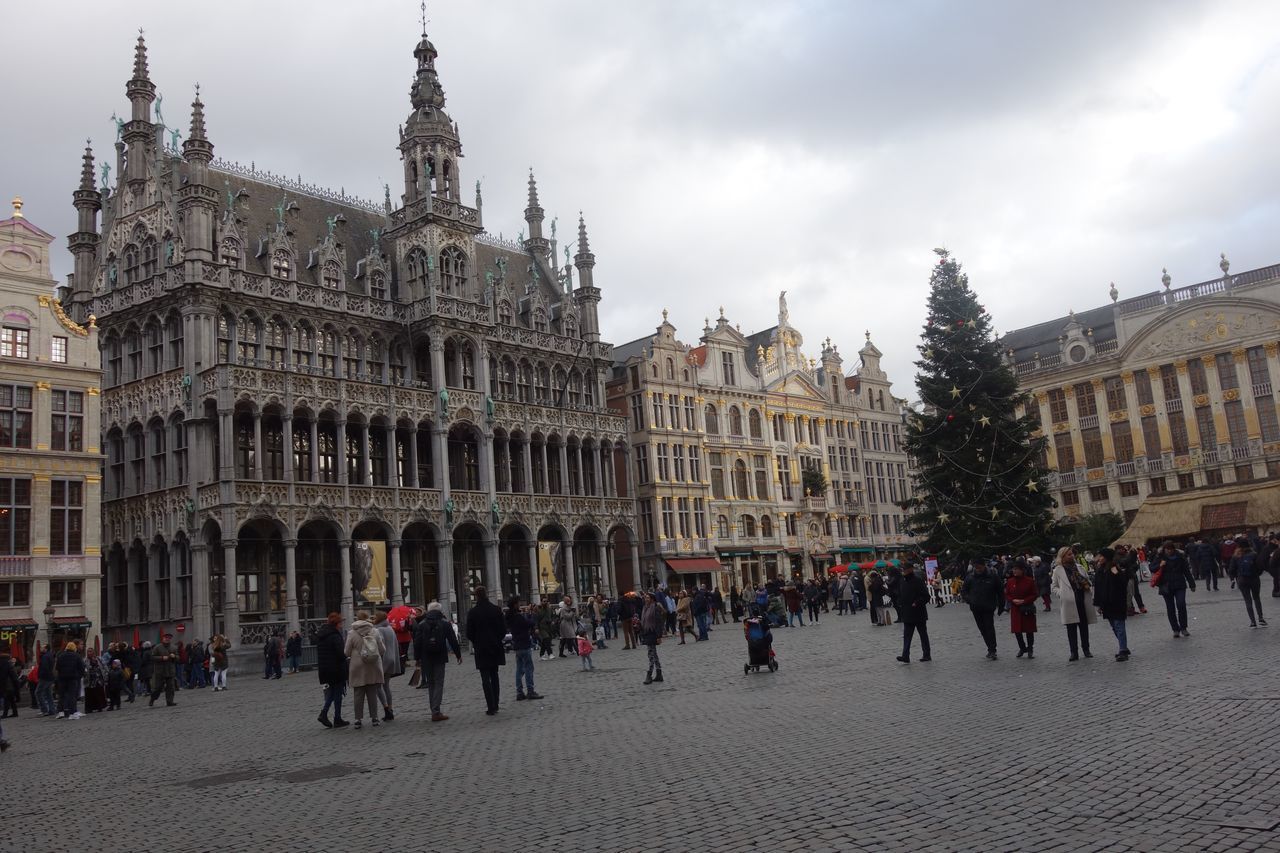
x: 197, y: 117
x: 533, y: 189
x: 86, y: 168
x: 1224, y: 264
x: 423, y: 7
x: 583, y: 246
x: 1165, y: 278
x: 1115, y: 294
x: 17, y: 207
x: 140, y: 58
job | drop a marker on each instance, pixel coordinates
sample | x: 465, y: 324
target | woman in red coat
x: 1020, y: 592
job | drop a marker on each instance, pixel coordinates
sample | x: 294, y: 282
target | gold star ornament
x: 995, y: 513
x: 1033, y: 486
x: 943, y: 517
x: 955, y: 392
x: 985, y: 421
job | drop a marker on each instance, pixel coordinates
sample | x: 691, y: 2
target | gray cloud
x: 723, y: 151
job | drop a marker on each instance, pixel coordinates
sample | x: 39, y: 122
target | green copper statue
x: 330, y: 223
x: 106, y: 173
x: 173, y: 138
x: 444, y: 402
x: 448, y: 512
x: 119, y: 126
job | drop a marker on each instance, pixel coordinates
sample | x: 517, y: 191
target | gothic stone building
x: 722, y: 434
x: 1168, y: 391
x: 301, y: 386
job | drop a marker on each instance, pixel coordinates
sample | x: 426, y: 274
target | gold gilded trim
x: 67, y: 323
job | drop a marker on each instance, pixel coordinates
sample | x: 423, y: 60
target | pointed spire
x: 197, y: 118
x: 86, y: 167
x: 584, y: 248
x: 140, y: 71
x: 533, y: 190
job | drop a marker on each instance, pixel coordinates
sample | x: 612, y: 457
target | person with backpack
x: 271, y: 653
x: 365, y: 648
x: 293, y: 652
x: 1246, y: 570
x: 331, y: 666
x: 433, y: 640
x: 485, y: 631
x: 1173, y: 577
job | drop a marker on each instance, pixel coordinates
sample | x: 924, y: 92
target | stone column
x: 527, y: 461
x: 201, y: 618
x: 492, y: 575
x: 230, y: 603
x: 445, y: 593
x: 411, y: 459
x: 286, y: 446
x: 441, y: 466
x: 534, y: 576
x: 257, y: 445
x: 607, y: 569
x: 397, y: 585
x: 291, y: 585
x: 635, y: 564
x: 314, y: 461
x: 348, y: 601
x: 570, y: 579
x: 546, y: 470
x: 154, y: 556
x: 226, y: 448
x: 341, y: 452
x: 364, y: 469
x: 1073, y: 423
x: 1215, y: 401
x: 565, y: 485
x: 1188, y: 404
x: 630, y: 474
x: 176, y: 557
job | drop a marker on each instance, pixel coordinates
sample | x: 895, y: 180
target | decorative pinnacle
x: 86, y: 167
x: 423, y: 7
x: 17, y: 207
x: 1224, y: 264
x: 1165, y: 278
x: 533, y: 189
x: 197, y: 117
x: 1115, y: 294
x: 140, y: 58
x: 584, y: 248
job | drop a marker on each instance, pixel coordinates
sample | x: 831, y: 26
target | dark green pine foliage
x: 980, y: 489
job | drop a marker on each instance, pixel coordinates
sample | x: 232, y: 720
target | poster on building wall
x: 369, y: 571
x: 548, y: 556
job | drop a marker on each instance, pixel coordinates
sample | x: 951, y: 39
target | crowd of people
x: 375, y: 650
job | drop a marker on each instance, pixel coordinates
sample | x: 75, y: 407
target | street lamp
x: 49, y: 612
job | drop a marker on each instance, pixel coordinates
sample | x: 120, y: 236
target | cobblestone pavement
x: 842, y: 749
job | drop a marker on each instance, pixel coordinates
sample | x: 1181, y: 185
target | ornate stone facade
x: 292, y: 372
x: 1166, y: 391
x: 723, y: 434
x: 50, y: 463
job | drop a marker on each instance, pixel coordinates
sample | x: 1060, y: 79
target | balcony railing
x: 1126, y: 469
x: 1261, y: 389
x: 1088, y: 421
x: 15, y: 567
x: 1174, y: 405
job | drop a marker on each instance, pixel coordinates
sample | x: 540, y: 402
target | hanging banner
x: 369, y: 571
x: 548, y: 557
x: 930, y: 568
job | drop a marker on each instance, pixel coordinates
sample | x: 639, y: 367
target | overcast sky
x: 724, y: 151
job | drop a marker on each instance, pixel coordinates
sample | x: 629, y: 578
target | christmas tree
x: 980, y: 490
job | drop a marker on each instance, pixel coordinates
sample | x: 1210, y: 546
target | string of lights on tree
x: 979, y: 484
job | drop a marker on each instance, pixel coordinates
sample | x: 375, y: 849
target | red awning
x: 694, y: 565
x: 18, y: 623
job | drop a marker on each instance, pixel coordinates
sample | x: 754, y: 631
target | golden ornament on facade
x: 1208, y: 360
x: 1127, y: 377
x: 1181, y: 366
x: 1231, y: 394
x: 67, y: 323
x: 1096, y: 383
x: 1201, y: 400
x: 1238, y: 355
x: 1062, y: 427
x: 1271, y: 348
x: 1122, y: 415
x: 1148, y: 410
x: 1068, y: 391
x: 1153, y: 372
x: 1097, y: 474
x: 1042, y: 397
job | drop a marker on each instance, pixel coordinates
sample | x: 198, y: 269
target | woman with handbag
x: 1072, y: 586
x: 568, y: 616
x: 1021, y: 591
x: 684, y: 615
x: 652, y: 621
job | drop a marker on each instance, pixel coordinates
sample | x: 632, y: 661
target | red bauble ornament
x: 950, y: 418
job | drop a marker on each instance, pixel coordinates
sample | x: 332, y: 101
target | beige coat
x: 1061, y: 586
x: 359, y: 673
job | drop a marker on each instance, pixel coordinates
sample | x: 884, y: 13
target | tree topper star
x: 943, y: 517
x: 995, y: 513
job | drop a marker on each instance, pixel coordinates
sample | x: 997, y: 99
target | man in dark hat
x: 1110, y: 596
x: 164, y: 663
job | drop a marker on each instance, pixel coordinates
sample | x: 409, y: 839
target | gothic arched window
x: 281, y: 265
x: 754, y: 424
x: 149, y: 257
x: 453, y: 270
x: 224, y: 338
x: 505, y: 315
x: 735, y: 421
x: 378, y: 285
x: 712, y: 420
x: 416, y: 273
x: 132, y: 264
x: 331, y: 275
x: 230, y: 252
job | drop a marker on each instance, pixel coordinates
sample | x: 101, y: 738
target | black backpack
x: 433, y: 639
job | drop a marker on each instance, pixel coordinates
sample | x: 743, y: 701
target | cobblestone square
x: 842, y: 749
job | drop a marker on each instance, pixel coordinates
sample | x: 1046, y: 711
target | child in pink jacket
x: 584, y: 651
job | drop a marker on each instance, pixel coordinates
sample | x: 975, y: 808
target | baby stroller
x: 759, y: 646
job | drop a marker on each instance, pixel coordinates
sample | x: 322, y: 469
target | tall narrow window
x: 726, y: 367
x: 15, y: 416
x: 66, y: 517
x: 67, y: 427
x: 281, y: 265
x: 331, y: 275
x: 15, y: 517
x: 14, y: 342
x: 453, y: 270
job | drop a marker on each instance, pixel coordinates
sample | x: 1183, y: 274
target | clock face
x: 17, y: 259
x: 1076, y: 353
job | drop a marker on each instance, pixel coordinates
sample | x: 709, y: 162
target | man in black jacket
x: 982, y: 591
x: 1175, y: 578
x: 912, y: 600
x: 433, y: 640
x: 485, y: 630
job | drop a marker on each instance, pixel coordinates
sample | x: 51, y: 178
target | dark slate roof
x: 758, y: 339
x: 256, y: 221
x: 1043, y: 337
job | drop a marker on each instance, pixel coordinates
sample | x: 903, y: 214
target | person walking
x: 485, y: 630
x: 1021, y: 592
x: 912, y: 603
x: 521, y: 626
x: 812, y: 596
x: 164, y: 667
x: 795, y: 601
x: 70, y: 669
x: 433, y: 640
x: 95, y: 683
x: 548, y: 630
x: 10, y: 684
x: 1245, y: 570
x: 272, y: 651
x: 115, y: 684
x: 1111, y: 597
x: 684, y: 617
x: 628, y: 612
x: 1127, y: 560
x: 197, y: 655
x: 981, y: 589
x: 584, y: 651
x: 717, y: 607
x: 701, y: 608
x: 1172, y: 577
x: 331, y: 667
x: 46, y: 675
x: 293, y: 652
x: 1071, y: 585
x: 568, y: 616
x: 652, y: 622
x: 364, y: 649
x: 218, y: 648
x: 1204, y: 563
x: 390, y: 662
